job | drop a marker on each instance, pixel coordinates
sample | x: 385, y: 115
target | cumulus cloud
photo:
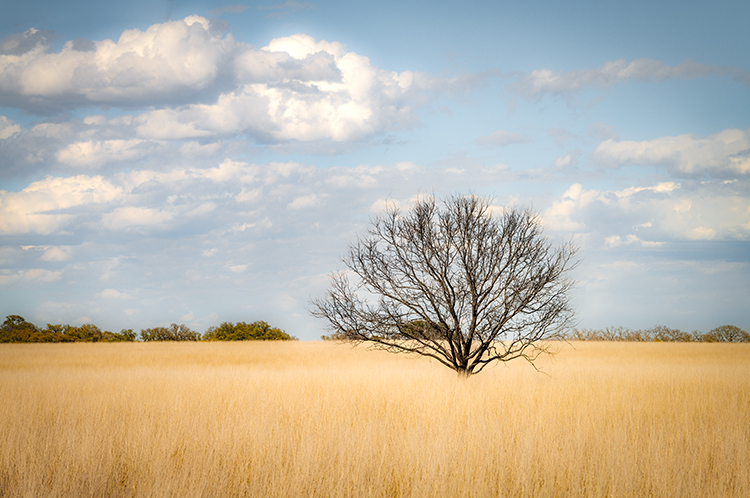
x: 57, y: 253
x: 501, y: 138
x: 231, y: 197
x: 304, y: 202
x: 95, y: 153
x: 133, y: 216
x: 616, y: 240
x: 36, y: 209
x: 169, y: 61
x: 8, y: 128
x: 569, y: 160
x: 236, y: 197
x: 299, y: 89
x: 35, y: 275
x: 142, y: 201
x: 195, y: 84
x: 726, y: 153
x: 113, y: 294
x: 237, y: 268
x: 542, y: 82
x: 649, y: 216
x: 200, y: 84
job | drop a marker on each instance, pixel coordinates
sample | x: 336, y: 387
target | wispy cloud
x: 501, y: 138
x: 283, y: 9
x: 21, y: 43
x: 541, y: 82
x: 229, y: 9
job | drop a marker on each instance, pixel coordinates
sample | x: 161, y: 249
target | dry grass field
x: 319, y: 419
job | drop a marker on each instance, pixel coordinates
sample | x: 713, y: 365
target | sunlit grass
x: 320, y: 419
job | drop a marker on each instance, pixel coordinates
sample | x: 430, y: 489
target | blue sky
x: 199, y: 162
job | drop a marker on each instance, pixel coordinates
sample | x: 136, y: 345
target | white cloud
x: 559, y: 215
x: 723, y: 153
x: 197, y: 84
x: 232, y: 9
x: 168, y: 60
x: 132, y: 216
x: 96, y: 153
x: 701, y: 233
x: 501, y: 138
x: 194, y: 149
x: 616, y: 240
x: 648, y: 216
x: 20, y: 43
x: 542, y: 82
x: 57, y: 253
x: 603, y: 131
x: 8, y: 128
x: 249, y: 195
x: 280, y: 10
x: 113, y: 294
x: 304, y: 202
x: 299, y: 88
x: 201, y: 210
x: 569, y: 160
x: 32, y: 210
x: 35, y: 275
x: 382, y: 205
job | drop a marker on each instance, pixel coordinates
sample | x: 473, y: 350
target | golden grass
x: 319, y: 419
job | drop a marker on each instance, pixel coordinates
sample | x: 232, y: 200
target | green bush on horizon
x: 242, y: 331
x: 16, y: 329
x: 172, y: 333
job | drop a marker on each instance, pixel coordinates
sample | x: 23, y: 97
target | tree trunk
x: 463, y: 372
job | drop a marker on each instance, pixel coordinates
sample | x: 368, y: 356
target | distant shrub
x: 726, y: 333
x: 172, y: 333
x: 241, y: 331
x: 87, y: 332
x: 16, y: 329
x: 334, y: 336
x: 660, y: 333
x: 125, y: 335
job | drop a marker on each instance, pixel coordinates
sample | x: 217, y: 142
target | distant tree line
x: 725, y: 333
x: 660, y: 333
x: 16, y: 329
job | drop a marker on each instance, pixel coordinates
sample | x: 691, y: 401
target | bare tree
x: 450, y: 281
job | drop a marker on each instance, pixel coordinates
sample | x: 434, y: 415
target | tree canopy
x: 241, y: 331
x: 451, y: 281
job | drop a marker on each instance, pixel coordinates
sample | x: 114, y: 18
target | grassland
x: 320, y: 419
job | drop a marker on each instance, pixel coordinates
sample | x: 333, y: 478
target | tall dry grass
x: 318, y: 419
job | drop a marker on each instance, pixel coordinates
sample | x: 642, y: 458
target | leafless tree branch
x: 452, y: 282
